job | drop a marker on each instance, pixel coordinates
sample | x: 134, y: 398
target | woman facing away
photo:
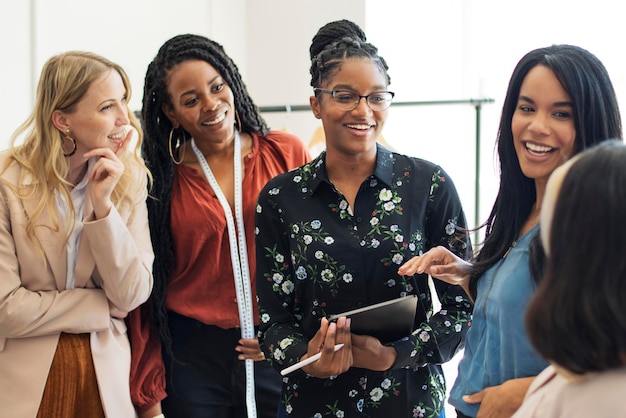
x: 560, y: 101
x: 75, y: 247
x: 195, y: 350
x: 577, y: 317
x: 330, y: 237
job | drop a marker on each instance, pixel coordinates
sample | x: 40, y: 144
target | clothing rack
x: 477, y: 103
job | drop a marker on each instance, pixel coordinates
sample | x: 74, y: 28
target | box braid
x: 335, y: 42
x: 155, y: 149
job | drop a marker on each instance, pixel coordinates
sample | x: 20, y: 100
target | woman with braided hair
x: 330, y: 238
x: 195, y: 351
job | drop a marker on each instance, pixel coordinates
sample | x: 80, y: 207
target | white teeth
x: 359, y: 126
x: 538, y: 148
x: 216, y: 120
x: 117, y: 136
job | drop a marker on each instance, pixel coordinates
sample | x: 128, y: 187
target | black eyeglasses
x: 348, y: 100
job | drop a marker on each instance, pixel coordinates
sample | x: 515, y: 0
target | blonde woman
x: 75, y: 246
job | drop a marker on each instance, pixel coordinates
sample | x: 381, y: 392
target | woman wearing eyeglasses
x: 330, y: 238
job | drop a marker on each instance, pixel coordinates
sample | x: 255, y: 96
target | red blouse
x: 202, y: 284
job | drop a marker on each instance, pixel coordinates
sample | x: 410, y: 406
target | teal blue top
x: 497, y: 347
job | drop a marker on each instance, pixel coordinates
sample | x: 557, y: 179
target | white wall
x: 127, y: 32
x: 446, y: 50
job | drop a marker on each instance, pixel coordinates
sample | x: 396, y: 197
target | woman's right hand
x: 331, y: 362
x: 440, y: 263
x: 115, y: 312
x: 153, y: 412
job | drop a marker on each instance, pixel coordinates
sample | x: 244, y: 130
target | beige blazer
x: 114, y: 263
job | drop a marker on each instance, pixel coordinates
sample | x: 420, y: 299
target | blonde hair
x: 64, y: 80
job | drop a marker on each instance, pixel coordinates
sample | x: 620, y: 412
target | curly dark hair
x: 336, y: 41
x: 155, y: 148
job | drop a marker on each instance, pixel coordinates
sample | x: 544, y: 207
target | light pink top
x: 601, y: 395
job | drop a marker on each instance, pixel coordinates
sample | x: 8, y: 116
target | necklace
x: 238, y: 256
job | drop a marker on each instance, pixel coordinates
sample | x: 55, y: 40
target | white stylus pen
x: 306, y: 361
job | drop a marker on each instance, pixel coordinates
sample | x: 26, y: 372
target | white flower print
x: 412, y: 246
x: 316, y: 224
x: 451, y: 227
x: 327, y: 275
x: 352, y: 393
x: 259, y: 209
x: 385, y: 195
x: 285, y: 342
x: 347, y: 277
x: 319, y: 254
x: 339, y: 414
x: 274, y: 191
x: 329, y: 240
x: 265, y: 318
x: 374, y: 221
x: 287, y: 287
x: 397, y: 258
x: 391, y: 283
x: 376, y: 394
x: 280, y: 258
x: 343, y: 205
x: 295, y: 228
x: 386, y: 384
x: 278, y: 354
x: 424, y: 336
x: 389, y: 206
x: 458, y: 327
x: 375, y: 243
x: 399, y: 238
x: 297, y: 179
x: 394, y: 228
x: 278, y: 278
x: 307, y: 239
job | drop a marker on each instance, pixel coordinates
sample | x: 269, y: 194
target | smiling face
x: 543, y: 125
x: 352, y: 131
x: 100, y: 118
x: 202, y: 102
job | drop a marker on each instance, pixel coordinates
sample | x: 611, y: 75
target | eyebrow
x: 192, y: 91
x: 350, y: 88
x: 558, y: 104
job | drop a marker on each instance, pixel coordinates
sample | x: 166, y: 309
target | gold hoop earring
x: 67, y: 137
x: 237, y: 121
x: 179, y: 148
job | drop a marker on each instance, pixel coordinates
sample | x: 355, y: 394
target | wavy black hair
x: 155, y: 148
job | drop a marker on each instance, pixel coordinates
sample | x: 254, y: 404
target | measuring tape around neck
x: 238, y: 256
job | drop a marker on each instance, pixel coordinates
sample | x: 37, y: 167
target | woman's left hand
x: 369, y: 353
x: 104, y: 175
x: 500, y: 401
x: 249, y: 349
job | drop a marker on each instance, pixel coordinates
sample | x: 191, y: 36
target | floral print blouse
x: 317, y: 256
